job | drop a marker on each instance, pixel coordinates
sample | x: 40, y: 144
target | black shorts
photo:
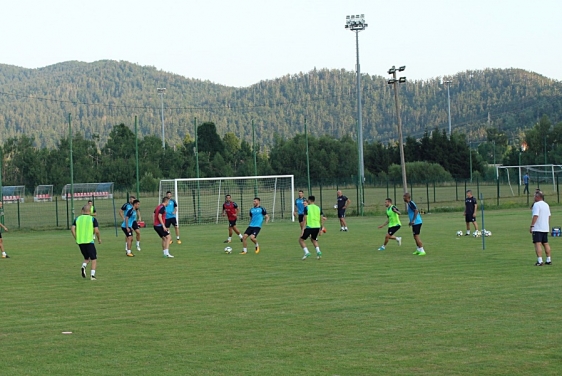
x: 127, y: 232
x: 341, y: 213
x: 416, y: 229
x: 540, y: 237
x: 301, y: 218
x: 135, y: 226
x: 0, y: 235
x: 160, y: 231
x: 310, y: 232
x: 88, y: 251
x: 231, y: 223
x: 171, y: 221
x: 469, y: 218
x: 392, y: 230
x: 253, y: 231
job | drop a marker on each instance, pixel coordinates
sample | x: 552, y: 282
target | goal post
x: 200, y: 200
x: 546, y: 173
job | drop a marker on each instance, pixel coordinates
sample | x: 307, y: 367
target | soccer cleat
x: 130, y: 255
x: 257, y: 250
x: 93, y: 278
x: 228, y: 241
x: 83, y: 271
x: 5, y: 256
x: 179, y: 241
x: 168, y: 256
x: 421, y: 253
x: 171, y: 241
x: 416, y: 253
x: 382, y: 248
x: 306, y: 255
x: 138, y: 248
x: 243, y: 253
x: 318, y: 255
x: 466, y: 234
x: 399, y: 240
x: 241, y: 239
x: 548, y: 263
x: 539, y: 263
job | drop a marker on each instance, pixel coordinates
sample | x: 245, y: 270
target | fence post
x: 19, y: 218
x: 557, y: 189
x: 478, y: 186
x: 387, y: 193
x: 395, y: 192
x: 465, y: 186
x: 427, y: 194
x: 456, y: 190
x: 498, y: 199
x: 67, y: 223
x: 57, y: 210
x: 320, y: 193
x: 434, y: 199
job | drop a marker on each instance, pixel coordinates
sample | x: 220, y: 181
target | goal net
x: 200, y: 200
x: 539, y: 175
x: 88, y: 191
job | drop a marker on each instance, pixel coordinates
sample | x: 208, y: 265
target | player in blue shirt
x: 415, y: 222
x: 257, y: 215
x: 124, y: 209
x: 299, y: 208
x: 127, y: 225
x: 171, y: 220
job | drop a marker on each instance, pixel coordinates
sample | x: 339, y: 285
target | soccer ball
x: 228, y: 250
x: 477, y: 234
x: 459, y: 233
x: 335, y: 206
x: 487, y: 233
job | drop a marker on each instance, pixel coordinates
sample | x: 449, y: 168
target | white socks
x: 305, y: 250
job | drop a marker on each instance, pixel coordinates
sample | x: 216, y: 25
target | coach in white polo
x: 540, y: 225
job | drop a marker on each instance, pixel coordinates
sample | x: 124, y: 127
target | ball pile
x: 228, y: 250
x: 477, y: 234
x: 486, y: 232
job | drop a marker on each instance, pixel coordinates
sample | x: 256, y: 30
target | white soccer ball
x: 228, y: 250
x: 335, y: 206
x: 488, y: 233
x: 477, y: 234
x: 459, y: 233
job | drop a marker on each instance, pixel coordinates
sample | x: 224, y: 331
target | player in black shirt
x: 470, y: 207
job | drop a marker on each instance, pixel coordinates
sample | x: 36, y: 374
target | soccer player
x: 343, y: 203
x: 470, y: 210
x: 4, y: 255
x: 313, y: 222
x: 540, y: 225
x: 93, y: 212
x: 171, y: 212
x: 126, y: 206
x: 299, y: 208
x: 415, y: 222
x: 230, y: 210
x: 82, y: 229
x: 526, y: 182
x: 160, y: 226
x: 127, y: 225
x: 257, y: 215
x: 393, y: 222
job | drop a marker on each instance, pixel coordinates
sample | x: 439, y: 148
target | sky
x: 239, y: 43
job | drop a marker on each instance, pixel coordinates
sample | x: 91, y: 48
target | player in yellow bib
x: 393, y: 222
x: 83, y: 227
x: 313, y: 223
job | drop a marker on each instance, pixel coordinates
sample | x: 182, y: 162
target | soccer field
x: 460, y: 310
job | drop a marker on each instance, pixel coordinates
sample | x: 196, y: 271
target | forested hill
x: 36, y: 102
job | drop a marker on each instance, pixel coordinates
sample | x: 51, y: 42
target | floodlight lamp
x: 402, y: 80
x: 402, y: 68
x: 447, y: 82
x: 161, y: 90
x: 391, y: 81
x: 392, y: 70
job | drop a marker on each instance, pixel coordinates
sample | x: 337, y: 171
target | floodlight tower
x: 161, y: 91
x: 394, y: 81
x: 448, y: 83
x: 357, y: 23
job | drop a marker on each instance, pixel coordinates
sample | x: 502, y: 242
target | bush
x: 419, y: 172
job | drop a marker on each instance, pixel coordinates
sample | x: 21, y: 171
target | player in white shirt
x: 540, y: 225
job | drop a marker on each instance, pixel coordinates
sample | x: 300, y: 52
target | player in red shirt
x: 230, y: 210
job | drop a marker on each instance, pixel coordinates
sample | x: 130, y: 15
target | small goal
x: 538, y: 174
x: 201, y: 200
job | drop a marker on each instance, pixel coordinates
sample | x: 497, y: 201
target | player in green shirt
x: 313, y: 224
x: 82, y: 229
x: 393, y: 222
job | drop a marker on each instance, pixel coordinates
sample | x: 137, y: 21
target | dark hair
x: 169, y: 192
x: 468, y: 190
x: 165, y: 198
x: 311, y: 198
x: 257, y: 198
x: 227, y: 196
x: 388, y: 199
x: 300, y: 190
x: 135, y: 201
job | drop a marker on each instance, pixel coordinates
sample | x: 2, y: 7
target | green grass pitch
x: 460, y: 310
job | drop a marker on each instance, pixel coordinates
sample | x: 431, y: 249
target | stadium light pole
x: 395, y: 81
x: 161, y: 91
x: 448, y: 83
x: 71, y: 167
x: 307, y: 158
x: 356, y: 23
